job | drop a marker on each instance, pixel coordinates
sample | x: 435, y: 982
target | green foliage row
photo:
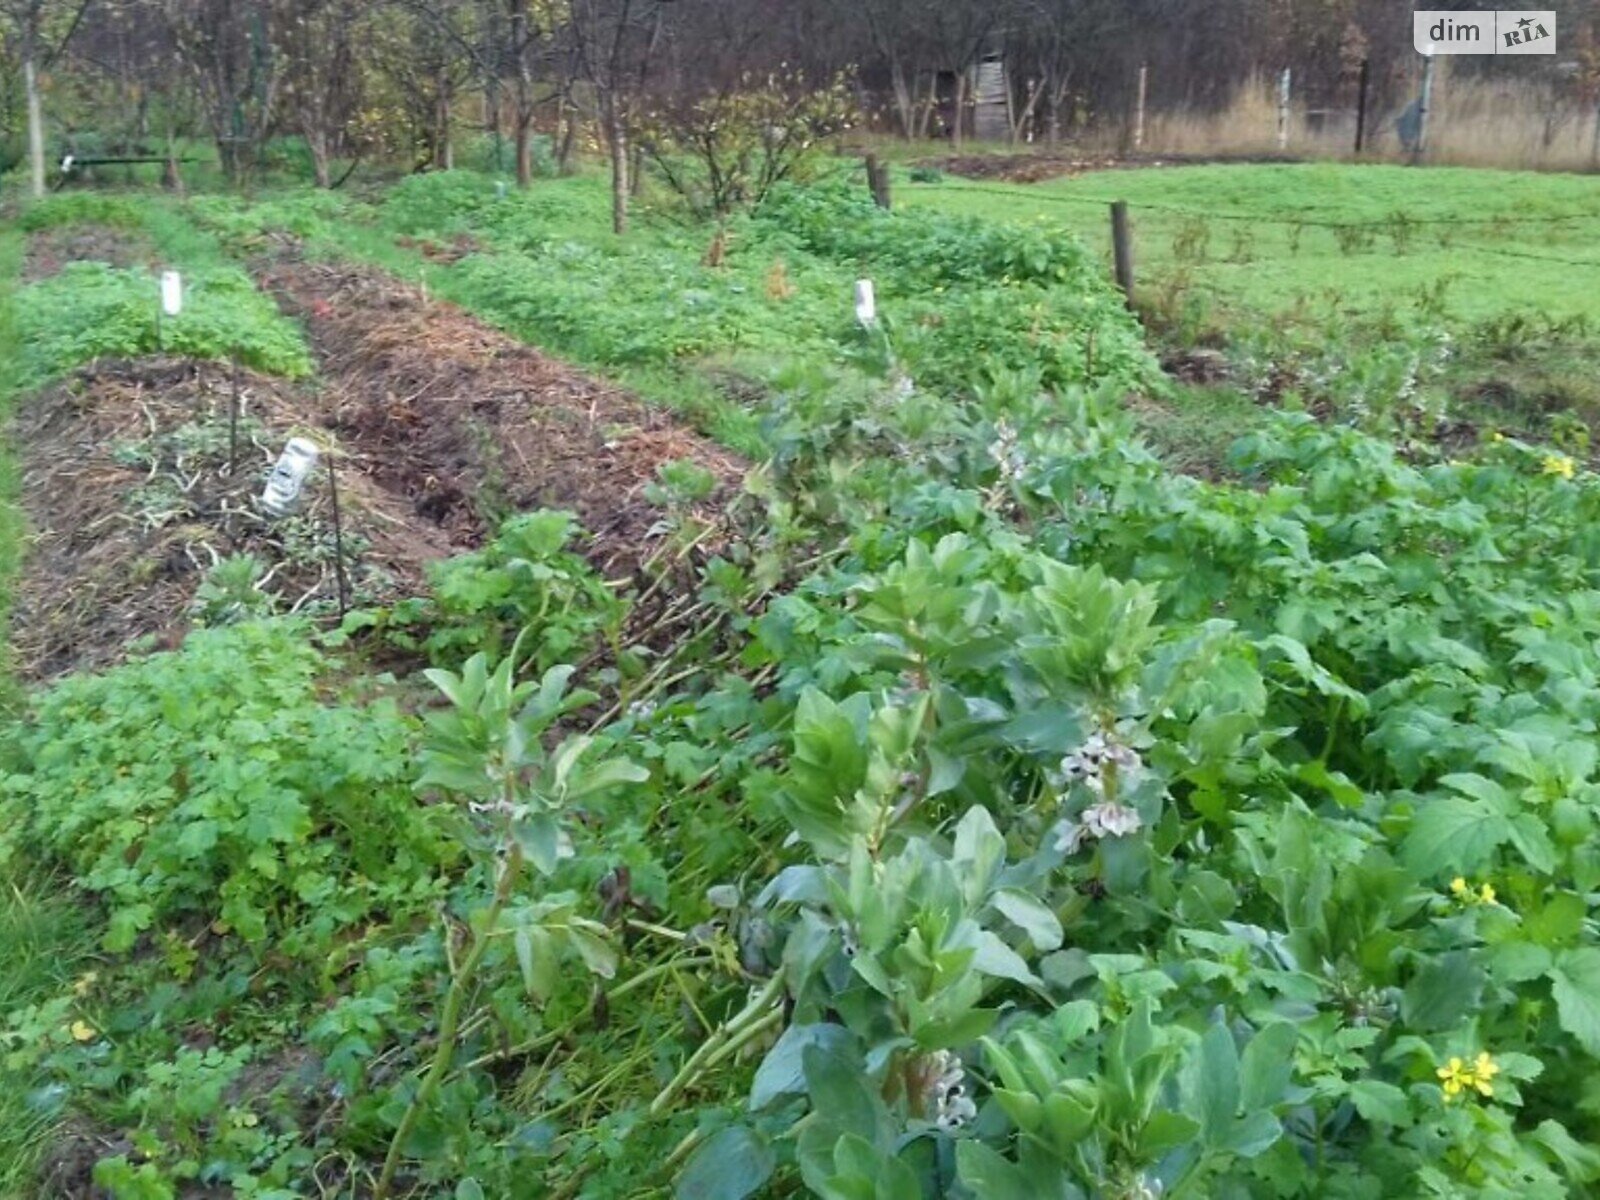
x: 527, y: 580
x: 1289, y: 838
x: 91, y: 310
x: 965, y: 299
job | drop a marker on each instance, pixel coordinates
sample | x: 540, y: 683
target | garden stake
x: 338, y: 538
x: 233, y: 424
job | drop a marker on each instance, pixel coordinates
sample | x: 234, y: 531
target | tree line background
x: 411, y: 82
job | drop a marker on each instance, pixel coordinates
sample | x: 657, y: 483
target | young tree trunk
x: 30, y: 83
x: 524, y: 150
x: 619, y: 177
x: 317, y: 143
x: 904, y: 104
x: 566, y: 131
x: 172, y: 180
x: 444, y: 155
x: 961, y: 108
x: 1022, y: 122
x: 524, y: 93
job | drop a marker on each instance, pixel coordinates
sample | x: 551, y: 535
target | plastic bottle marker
x: 171, y: 293
x: 295, y: 464
x: 866, y: 303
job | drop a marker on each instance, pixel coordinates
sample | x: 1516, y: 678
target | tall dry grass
x: 1474, y: 122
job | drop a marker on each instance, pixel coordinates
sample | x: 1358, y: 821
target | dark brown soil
x: 1038, y: 165
x: 472, y: 426
x: 453, y: 251
x: 440, y: 426
x: 68, y: 1166
x: 52, y: 249
x: 130, y: 500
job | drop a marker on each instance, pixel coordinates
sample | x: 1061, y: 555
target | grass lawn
x: 1269, y: 239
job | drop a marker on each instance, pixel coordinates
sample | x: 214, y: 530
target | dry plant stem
x: 623, y: 989
x: 450, y: 1019
x: 754, y: 1016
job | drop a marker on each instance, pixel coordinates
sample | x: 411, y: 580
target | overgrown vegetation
x: 993, y: 812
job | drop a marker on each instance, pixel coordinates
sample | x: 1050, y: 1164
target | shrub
x: 722, y: 151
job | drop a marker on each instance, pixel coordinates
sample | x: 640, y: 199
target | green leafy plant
x: 486, y: 751
x: 231, y: 592
x: 136, y: 781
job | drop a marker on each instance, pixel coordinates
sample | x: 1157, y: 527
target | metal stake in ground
x: 233, y: 421
x: 338, y: 536
x: 1122, y: 248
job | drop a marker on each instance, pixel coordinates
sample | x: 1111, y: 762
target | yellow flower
x: 1560, y: 465
x: 1483, y: 1070
x: 84, y: 983
x: 82, y: 1031
x: 1457, y: 1075
x: 1497, y: 436
x: 1467, y: 893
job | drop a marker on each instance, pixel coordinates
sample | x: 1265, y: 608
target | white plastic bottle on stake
x: 866, y: 304
x: 171, y: 303
x: 295, y: 464
x: 171, y: 293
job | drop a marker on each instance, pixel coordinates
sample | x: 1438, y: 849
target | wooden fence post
x: 1424, y: 107
x: 878, y: 182
x: 1361, y: 104
x: 1122, y: 248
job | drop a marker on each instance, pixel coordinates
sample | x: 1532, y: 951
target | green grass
x: 11, y: 251
x: 46, y: 940
x: 1254, y: 238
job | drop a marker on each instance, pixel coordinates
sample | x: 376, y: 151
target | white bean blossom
x: 1088, y: 762
x: 944, y: 1091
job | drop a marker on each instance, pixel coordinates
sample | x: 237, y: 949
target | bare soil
x: 472, y: 426
x: 131, y: 498
x: 1038, y: 165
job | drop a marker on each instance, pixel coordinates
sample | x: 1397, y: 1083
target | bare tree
x: 43, y: 28
x: 616, y: 41
x: 897, y: 31
x: 227, y: 46
x: 430, y: 50
x: 324, y: 75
